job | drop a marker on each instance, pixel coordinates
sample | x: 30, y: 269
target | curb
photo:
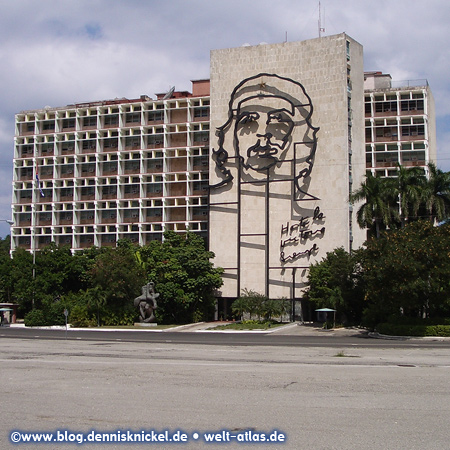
x: 376, y: 335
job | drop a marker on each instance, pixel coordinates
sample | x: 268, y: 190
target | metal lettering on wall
x: 267, y: 139
x: 298, y: 233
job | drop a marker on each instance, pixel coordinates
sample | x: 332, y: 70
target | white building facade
x: 288, y: 150
x: 400, y: 124
x: 111, y: 170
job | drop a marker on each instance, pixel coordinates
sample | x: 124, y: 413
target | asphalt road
x: 351, y: 397
x: 297, y: 337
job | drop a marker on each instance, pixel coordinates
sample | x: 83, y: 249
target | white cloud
x: 56, y: 53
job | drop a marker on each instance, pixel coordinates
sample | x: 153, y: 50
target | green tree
x: 436, y: 195
x: 184, y: 276
x: 239, y: 307
x: 409, y: 189
x: 407, y: 272
x: 45, y: 284
x: 6, y: 284
x: 335, y: 282
x: 408, y: 197
x: 54, y: 274
x: 273, y: 308
x: 5, y: 245
x: 253, y: 303
x: 21, y: 279
x: 379, y: 209
x: 115, y: 280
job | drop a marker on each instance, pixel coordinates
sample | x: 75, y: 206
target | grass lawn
x: 252, y: 325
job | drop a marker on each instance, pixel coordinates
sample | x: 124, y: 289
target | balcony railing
x: 409, y: 83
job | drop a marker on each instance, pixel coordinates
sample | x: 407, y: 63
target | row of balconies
x: 111, y: 192
x: 107, y: 168
x: 404, y: 133
x: 81, y: 239
x: 104, y: 146
x: 146, y: 215
x: 394, y: 113
x: 124, y: 120
x: 393, y: 164
x: 84, y: 208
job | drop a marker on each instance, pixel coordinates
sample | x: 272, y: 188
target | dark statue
x: 146, y: 303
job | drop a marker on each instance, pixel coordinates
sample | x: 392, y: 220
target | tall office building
x: 295, y: 127
x: 110, y: 170
x: 288, y: 152
x: 400, y: 124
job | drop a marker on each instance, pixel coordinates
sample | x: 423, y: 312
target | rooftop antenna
x: 321, y: 29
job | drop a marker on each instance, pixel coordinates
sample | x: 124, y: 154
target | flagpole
x: 33, y: 233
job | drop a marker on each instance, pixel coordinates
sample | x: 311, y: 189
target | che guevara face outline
x: 263, y: 131
x: 274, y: 129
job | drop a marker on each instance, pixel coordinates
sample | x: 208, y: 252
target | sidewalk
x: 294, y: 328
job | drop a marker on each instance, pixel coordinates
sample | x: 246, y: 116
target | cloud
x: 56, y: 53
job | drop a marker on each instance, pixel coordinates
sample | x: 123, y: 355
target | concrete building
x: 111, y: 169
x: 295, y: 127
x: 400, y: 124
x: 288, y: 151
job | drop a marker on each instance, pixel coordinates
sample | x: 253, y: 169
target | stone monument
x: 146, y: 303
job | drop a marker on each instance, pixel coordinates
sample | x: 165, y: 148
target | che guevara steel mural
x: 271, y: 129
x: 269, y: 137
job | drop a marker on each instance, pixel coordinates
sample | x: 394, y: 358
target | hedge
x: 413, y: 330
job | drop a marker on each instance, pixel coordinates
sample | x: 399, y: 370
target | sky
x: 60, y: 52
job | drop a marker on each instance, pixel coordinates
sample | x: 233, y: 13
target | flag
x: 38, y: 183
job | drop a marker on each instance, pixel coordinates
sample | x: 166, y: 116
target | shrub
x: 54, y: 314
x: 112, y: 318
x: 254, y: 303
x: 35, y: 318
x: 413, y: 330
x: 404, y: 320
x: 80, y: 317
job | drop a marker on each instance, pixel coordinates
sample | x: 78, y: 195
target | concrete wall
x: 431, y: 122
x: 264, y: 229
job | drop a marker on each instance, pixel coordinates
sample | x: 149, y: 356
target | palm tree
x: 436, y: 194
x: 380, y: 208
x: 410, y: 188
x: 408, y: 196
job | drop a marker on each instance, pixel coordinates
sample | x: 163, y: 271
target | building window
x: 412, y: 105
x: 90, y: 121
x: 111, y: 120
x: 383, y: 107
x: 156, y: 116
x: 133, y: 118
x: 48, y: 125
x: 201, y: 113
x: 155, y: 140
x: 111, y: 143
x: 414, y: 130
x: 89, y: 145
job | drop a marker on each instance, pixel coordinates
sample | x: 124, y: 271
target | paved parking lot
x: 320, y: 398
